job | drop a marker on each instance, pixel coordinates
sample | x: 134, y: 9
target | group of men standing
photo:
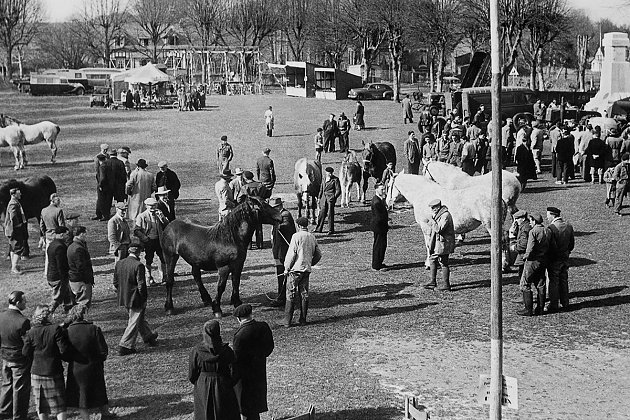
x: 333, y: 129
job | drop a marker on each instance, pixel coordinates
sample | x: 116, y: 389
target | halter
x: 427, y: 172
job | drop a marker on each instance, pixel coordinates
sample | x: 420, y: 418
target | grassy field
x: 373, y: 336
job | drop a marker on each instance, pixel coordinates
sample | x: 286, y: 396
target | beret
x: 243, y: 310
x: 554, y: 210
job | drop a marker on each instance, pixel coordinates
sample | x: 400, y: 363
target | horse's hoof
x: 218, y: 314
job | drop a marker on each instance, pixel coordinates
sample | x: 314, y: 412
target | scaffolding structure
x: 238, y: 66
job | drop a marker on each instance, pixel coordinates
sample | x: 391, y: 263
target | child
x: 319, y: 144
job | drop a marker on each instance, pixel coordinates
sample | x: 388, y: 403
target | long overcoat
x: 139, y: 188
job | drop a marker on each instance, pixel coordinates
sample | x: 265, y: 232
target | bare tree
x: 441, y: 29
x: 549, y: 19
x: 205, y: 18
x: 332, y: 34
x: 298, y: 20
x: 395, y: 16
x: 155, y: 18
x: 59, y: 41
x: 368, y: 32
x: 19, y: 20
x: 102, y: 22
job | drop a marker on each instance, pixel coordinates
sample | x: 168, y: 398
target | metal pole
x: 496, y: 314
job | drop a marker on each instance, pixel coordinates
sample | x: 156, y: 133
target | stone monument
x: 615, y: 73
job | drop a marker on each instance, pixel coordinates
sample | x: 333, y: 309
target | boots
x: 432, y: 283
x: 446, y: 274
x: 288, y: 312
x: 528, y: 300
x: 540, y: 306
x: 303, y: 310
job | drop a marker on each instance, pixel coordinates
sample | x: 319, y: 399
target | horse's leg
x: 235, y: 300
x: 223, y: 273
x: 53, y: 149
x: 205, y: 296
x: 426, y: 232
x: 16, y: 155
x: 366, y: 178
x: 314, y: 203
x: 169, y: 281
x: 23, y: 160
x: 299, y: 204
x: 360, y: 198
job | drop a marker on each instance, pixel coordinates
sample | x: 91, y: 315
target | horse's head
x: 6, y: 120
x: 266, y: 214
x: 392, y: 191
x: 307, y: 177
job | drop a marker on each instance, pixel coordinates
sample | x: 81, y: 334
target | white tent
x: 145, y: 75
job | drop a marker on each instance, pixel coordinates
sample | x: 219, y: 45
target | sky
x: 60, y: 10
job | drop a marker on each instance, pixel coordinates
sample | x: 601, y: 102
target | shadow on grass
x: 371, y: 413
x: 600, y: 303
x: 597, y: 292
x: 156, y: 407
x: 371, y: 313
x: 580, y: 262
x: 578, y: 234
x: 291, y: 135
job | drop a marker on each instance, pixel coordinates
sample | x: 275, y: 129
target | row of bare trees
x: 536, y: 34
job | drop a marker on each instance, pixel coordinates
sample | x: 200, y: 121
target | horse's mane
x: 228, y: 228
x: 4, y: 118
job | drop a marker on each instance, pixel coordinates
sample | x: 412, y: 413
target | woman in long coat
x: 525, y: 165
x: 211, y: 372
x: 359, y: 123
x: 85, y: 385
x: 139, y: 188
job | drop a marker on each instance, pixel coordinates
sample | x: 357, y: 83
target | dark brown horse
x: 375, y: 158
x: 222, y: 247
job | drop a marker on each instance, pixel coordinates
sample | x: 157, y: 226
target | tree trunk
x: 8, y: 64
x: 431, y: 75
x: 366, y: 62
x: 394, y: 54
x: 440, y: 70
x: 541, y: 75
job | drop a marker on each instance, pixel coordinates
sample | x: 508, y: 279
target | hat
x: 302, y: 221
x: 342, y: 115
x: 104, y: 146
x: 226, y: 173
x: 554, y: 210
x: 520, y: 213
x: 126, y: 149
x: 60, y: 229
x: 13, y: 190
x: 162, y: 190
x: 435, y: 203
x: 329, y: 169
x: 267, y: 150
x: 162, y: 164
x: 72, y: 216
x: 135, y: 243
x: 248, y: 175
x: 275, y: 201
x: 536, y: 217
x: 113, y: 152
x: 142, y: 163
x: 223, y: 138
x: 238, y: 171
x: 122, y: 150
x: 243, y: 310
x: 150, y: 201
x: 121, y: 205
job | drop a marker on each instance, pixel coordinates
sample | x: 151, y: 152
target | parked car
x: 372, y: 91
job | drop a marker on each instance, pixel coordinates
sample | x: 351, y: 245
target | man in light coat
x: 441, y: 245
x: 16, y: 229
x: 269, y: 121
x: 139, y: 188
x: 224, y: 194
x: 149, y: 227
x: 119, y: 233
x: 51, y: 218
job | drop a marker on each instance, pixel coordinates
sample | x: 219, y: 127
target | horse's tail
x: 57, y: 129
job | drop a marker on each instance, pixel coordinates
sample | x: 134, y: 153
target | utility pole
x: 496, y: 312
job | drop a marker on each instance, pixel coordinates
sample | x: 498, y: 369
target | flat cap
x: 266, y: 150
x: 72, y: 216
x: 243, y: 310
x: 275, y: 201
x: 553, y: 210
x: 162, y: 164
x: 536, y: 217
x: 330, y: 169
x: 520, y: 213
x: 223, y: 138
x: 135, y: 243
x: 150, y: 201
x: 302, y: 221
x: 435, y: 203
x: 121, y: 205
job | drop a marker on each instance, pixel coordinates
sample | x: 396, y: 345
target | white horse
x: 36, y: 133
x: 470, y: 208
x: 454, y: 178
x: 13, y: 137
x: 350, y: 172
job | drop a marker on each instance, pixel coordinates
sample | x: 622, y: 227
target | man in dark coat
x: 80, y: 272
x: 129, y: 100
x: 330, y: 133
x: 253, y: 343
x: 280, y: 239
x: 519, y: 232
x: 104, y: 190
x: 561, y: 245
x: 328, y: 195
x: 380, y: 226
x: 265, y: 172
x: 16, y: 368
x: 254, y: 189
x: 412, y: 153
x: 119, y: 174
x: 525, y: 165
x: 168, y: 179
x: 16, y: 229
x: 136, y: 99
x: 58, y: 270
x: 565, y: 149
x: 130, y: 283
